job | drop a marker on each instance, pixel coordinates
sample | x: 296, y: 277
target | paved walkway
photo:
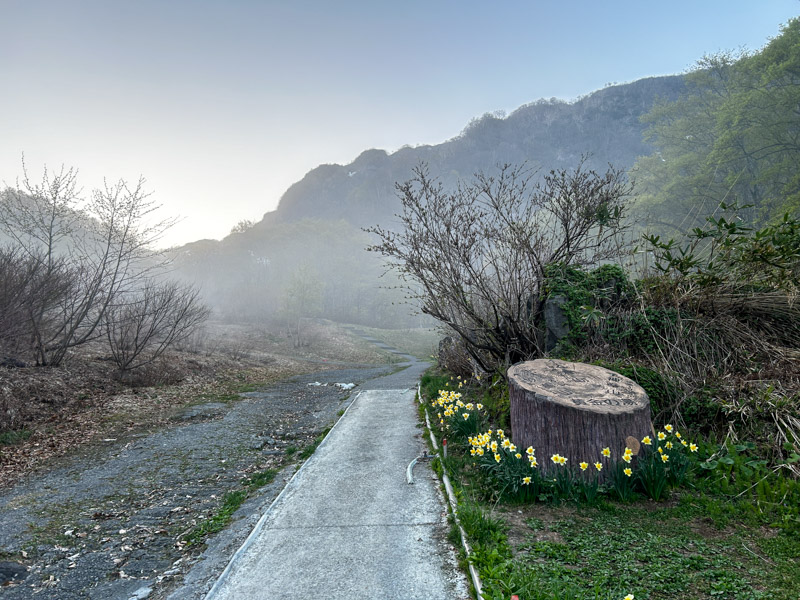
x: 348, y: 525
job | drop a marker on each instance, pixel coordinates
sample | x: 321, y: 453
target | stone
x: 12, y: 571
x: 555, y: 321
x: 142, y: 593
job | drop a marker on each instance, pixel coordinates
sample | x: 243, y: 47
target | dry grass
x: 741, y: 348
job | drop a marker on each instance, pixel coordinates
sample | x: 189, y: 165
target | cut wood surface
x: 575, y: 410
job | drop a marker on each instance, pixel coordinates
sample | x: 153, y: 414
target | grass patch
x: 260, y: 479
x: 312, y: 447
x: 653, y: 552
x: 230, y: 504
x: 9, y: 438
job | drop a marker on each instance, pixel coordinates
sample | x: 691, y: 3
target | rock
x: 555, y: 321
x: 256, y: 443
x: 142, y: 593
x: 12, y: 571
x: 199, y: 411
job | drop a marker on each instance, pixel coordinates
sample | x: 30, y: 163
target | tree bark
x: 575, y: 410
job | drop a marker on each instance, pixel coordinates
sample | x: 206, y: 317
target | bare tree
x: 142, y: 326
x: 28, y: 288
x: 106, y: 244
x: 302, y: 299
x: 479, y: 254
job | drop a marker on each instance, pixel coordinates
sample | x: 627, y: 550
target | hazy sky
x: 222, y: 105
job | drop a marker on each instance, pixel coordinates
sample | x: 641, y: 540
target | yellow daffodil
x: 664, y: 457
x: 678, y: 434
x: 662, y: 436
x: 598, y: 466
x: 584, y: 466
x: 480, y: 406
x: 693, y: 447
x: 626, y: 458
x: 526, y: 481
x: 683, y: 443
x: 500, y: 433
x: 472, y: 451
x: 512, y: 448
x: 555, y: 458
x: 518, y: 455
x: 668, y: 445
x: 466, y: 416
x: 479, y: 451
x: 660, y: 450
x: 530, y: 450
x: 506, y: 443
x: 606, y: 452
x: 533, y: 462
x: 628, y: 597
x: 646, y: 440
x: 497, y: 458
x: 668, y: 428
x: 628, y: 471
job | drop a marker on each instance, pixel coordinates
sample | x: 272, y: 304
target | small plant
x: 588, y: 482
x: 651, y: 473
x: 230, y: 503
x: 563, y: 480
x: 622, y: 481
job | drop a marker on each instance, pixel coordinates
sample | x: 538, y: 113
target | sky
x: 222, y: 104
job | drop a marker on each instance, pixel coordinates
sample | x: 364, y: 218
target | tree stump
x: 575, y: 410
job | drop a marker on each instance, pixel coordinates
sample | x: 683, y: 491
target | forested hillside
x: 733, y: 137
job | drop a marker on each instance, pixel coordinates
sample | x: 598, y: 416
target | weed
x: 230, y: 504
x: 260, y: 479
x: 9, y: 438
x: 312, y: 447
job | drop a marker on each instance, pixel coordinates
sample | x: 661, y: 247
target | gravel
x: 109, y: 520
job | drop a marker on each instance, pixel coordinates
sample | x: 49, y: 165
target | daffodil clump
x: 456, y: 416
x: 513, y: 470
x: 662, y: 461
x: 665, y: 461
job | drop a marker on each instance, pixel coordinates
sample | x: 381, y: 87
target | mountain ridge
x: 317, y: 228
x: 604, y: 124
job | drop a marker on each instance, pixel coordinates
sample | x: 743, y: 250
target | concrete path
x: 348, y: 525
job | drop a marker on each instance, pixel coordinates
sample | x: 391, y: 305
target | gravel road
x: 108, y: 522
